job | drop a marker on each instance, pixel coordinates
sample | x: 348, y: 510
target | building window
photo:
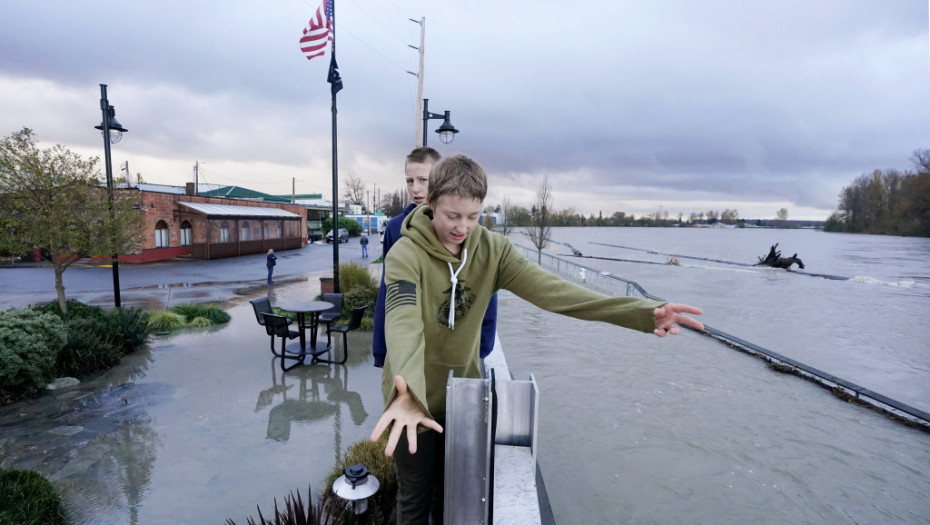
x: 266, y: 232
x: 186, y: 233
x: 279, y: 230
x: 224, y: 232
x: 161, y: 234
x: 245, y: 231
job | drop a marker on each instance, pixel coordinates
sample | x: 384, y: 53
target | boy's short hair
x: 457, y: 175
x: 422, y: 155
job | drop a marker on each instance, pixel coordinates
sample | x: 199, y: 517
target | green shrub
x: 357, y: 297
x: 353, y: 275
x: 75, y: 309
x: 200, y: 322
x: 132, y: 325
x: 216, y: 315
x: 166, y: 321
x: 372, y: 456
x: 28, y: 499
x: 29, y: 345
x: 191, y: 311
x: 92, y: 345
x: 368, y: 323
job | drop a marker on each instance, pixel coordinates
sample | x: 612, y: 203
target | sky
x: 633, y: 106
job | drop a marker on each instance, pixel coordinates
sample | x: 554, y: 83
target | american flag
x: 399, y: 294
x: 318, y: 31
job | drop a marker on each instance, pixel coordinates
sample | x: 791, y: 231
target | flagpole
x: 335, y: 167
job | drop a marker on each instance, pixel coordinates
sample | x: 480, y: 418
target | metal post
x: 425, y: 118
x: 335, y: 177
x: 106, y: 110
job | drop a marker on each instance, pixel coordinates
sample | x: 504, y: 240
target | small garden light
x: 355, y: 486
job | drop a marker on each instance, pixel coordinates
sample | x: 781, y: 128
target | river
x: 636, y: 429
x: 202, y: 426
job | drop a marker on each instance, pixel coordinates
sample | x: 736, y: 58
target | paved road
x: 164, y: 284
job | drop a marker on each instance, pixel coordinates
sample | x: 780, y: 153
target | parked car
x: 343, y: 235
x: 315, y: 236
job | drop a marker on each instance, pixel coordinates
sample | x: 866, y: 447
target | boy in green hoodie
x: 439, y: 278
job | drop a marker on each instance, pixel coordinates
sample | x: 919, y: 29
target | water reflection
x: 307, y: 394
x: 96, y: 442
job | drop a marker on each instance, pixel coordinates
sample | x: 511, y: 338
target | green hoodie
x: 432, y: 328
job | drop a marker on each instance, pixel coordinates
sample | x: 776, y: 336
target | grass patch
x: 212, y: 312
x: 28, y: 499
x: 166, y: 321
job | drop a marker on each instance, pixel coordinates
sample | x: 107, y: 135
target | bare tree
x: 782, y: 218
x: 540, y: 229
x: 354, y: 189
x: 504, y: 226
x: 392, y: 204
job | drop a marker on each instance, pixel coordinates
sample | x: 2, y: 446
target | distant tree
x: 712, y: 217
x: 504, y: 222
x: 354, y: 189
x: 782, y: 217
x: 619, y: 218
x: 540, y: 229
x: 393, y: 204
x: 54, y: 204
x: 729, y: 216
x: 519, y: 217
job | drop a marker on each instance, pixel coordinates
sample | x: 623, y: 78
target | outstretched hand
x: 403, y: 412
x: 668, y: 318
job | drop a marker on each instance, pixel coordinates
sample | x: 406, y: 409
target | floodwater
x: 201, y: 427
x: 636, y: 429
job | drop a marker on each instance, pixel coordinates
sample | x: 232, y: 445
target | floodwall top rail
x: 611, y: 284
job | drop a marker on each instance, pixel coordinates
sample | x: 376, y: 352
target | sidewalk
x: 160, y: 285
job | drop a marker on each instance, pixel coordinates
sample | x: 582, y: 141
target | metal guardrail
x: 611, y: 284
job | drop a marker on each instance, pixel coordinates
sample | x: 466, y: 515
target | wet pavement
x: 202, y: 425
x: 160, y: 285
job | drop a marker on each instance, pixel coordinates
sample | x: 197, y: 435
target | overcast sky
x: 631, y: 106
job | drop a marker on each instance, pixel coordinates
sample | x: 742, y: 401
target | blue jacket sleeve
x: 489, y: 327
x: 378, y: 346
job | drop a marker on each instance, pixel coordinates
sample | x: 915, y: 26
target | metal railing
x: 611, y: 284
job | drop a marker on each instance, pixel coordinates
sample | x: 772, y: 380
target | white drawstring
x: 454, y: 278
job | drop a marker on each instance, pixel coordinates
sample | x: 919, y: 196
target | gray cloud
x: 622, y: 102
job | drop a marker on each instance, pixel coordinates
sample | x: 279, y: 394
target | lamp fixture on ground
x: 356, y: 486
x: 112, y: 132
x: 446, y: 131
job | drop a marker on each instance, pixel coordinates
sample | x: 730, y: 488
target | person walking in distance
x: 271, y: 261
x: 364, y: 242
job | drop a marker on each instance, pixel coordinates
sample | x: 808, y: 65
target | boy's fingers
x: 412, y: 439
x: 400, y: 385
x: 693, y: 323
x: 382, y: 424
x: 431, y: 423
x: 392, y: 441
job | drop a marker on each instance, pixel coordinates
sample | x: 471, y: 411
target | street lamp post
x: 112, y: 132
x: 446, y: 131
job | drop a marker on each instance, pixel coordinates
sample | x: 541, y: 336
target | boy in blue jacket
x: 416, y: 169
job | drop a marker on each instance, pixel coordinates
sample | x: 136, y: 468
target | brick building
x: 177, y: 223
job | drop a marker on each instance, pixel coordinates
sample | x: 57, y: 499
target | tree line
x: 887, y: 202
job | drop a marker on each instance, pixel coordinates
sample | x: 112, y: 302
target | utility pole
x: 418, y: 116
x: 196, y: 177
